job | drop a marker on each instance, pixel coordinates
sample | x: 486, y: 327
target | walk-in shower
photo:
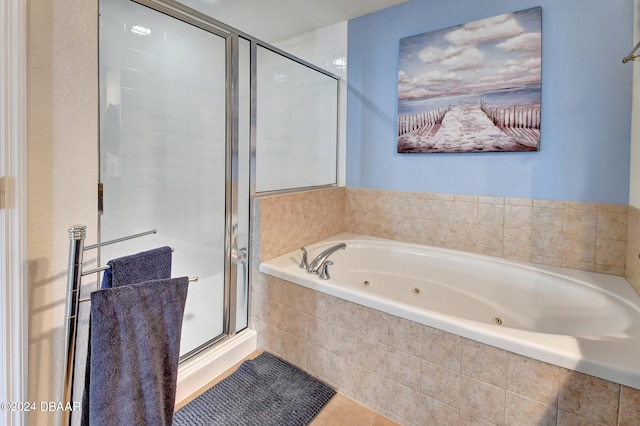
x: 195, y: 119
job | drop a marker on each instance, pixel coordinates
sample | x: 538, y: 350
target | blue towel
x: 144, y: 266
x: 135, y: 349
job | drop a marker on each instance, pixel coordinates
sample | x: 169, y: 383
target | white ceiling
x: 275, y: 20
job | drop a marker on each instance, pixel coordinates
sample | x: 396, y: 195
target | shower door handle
x: 240, y: 256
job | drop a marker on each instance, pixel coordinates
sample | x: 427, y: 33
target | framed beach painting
x: 474, y: 87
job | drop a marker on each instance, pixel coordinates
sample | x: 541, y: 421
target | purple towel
x: 135, y: 349
x: 144, y: 266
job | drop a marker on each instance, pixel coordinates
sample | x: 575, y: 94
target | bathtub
x: 583, y: 321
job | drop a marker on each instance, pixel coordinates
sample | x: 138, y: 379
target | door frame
x: 13, y: 212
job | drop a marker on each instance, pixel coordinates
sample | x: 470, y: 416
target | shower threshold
x: 198, y: 371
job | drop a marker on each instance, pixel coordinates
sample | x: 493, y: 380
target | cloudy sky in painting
x: 478, y: 57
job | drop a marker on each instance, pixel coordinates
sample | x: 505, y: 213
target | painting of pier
x: 472, y: 88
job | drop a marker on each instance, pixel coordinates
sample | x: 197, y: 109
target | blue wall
x: 586, y: 105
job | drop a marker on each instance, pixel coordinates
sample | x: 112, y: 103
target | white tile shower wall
x: 418, y: 375
x: 296, y: 124
x: 161, y: 140
x: 327, y: 48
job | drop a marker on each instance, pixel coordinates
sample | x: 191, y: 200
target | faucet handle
x: 324, y: 270
x: 303, y: 262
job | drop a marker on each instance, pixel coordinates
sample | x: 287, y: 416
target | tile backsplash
x: 576, y: 235
x: 586, y: 236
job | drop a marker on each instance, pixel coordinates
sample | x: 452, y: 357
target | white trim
x: 13, y: 215
x: 199, y: 371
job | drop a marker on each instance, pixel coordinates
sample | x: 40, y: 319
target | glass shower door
x: 163, y: 151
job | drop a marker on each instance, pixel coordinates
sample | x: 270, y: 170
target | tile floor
x: 340, y: 411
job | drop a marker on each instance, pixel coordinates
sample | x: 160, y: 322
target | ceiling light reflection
x: 140, y: 30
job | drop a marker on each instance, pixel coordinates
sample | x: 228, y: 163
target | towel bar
x: 117, y: 240
x: 104, y: 268
x: 191, y: 280
x: 77, y: 234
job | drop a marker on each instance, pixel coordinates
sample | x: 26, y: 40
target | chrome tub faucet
x: 316, y: 264
x: 324, y: 271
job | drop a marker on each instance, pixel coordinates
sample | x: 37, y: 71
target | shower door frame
x: 189, y: 15
x: 231, y: 258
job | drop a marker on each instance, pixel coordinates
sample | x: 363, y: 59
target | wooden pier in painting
x: 469, y: 128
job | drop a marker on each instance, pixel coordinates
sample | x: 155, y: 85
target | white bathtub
x: 583, y: 321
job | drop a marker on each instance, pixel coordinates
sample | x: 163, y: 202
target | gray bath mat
x: 261, y: 392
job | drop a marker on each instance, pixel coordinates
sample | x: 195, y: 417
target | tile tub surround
x: 633, y: 249
x: 288, y: 221
x: 418, y: 375
x: 576, y: 235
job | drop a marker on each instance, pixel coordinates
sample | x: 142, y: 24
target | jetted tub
x: 583, y: 321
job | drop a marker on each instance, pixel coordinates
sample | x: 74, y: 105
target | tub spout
x: 315, y: 265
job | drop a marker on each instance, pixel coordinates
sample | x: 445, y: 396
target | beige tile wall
x: 587, y: 236
x: 633, y: 249
x: 418, y: 375
x: 289, y: 221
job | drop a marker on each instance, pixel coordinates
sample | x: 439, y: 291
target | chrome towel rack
x: 77, y: 235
